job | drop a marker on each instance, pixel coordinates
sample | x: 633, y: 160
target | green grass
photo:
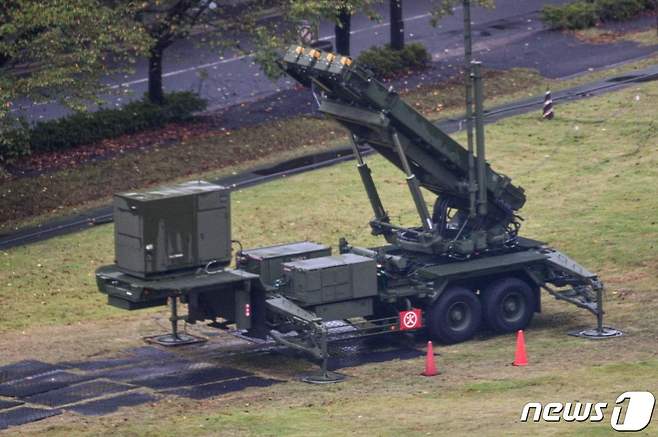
x: 590, y: 178
x: 34, y: 199
x: 502, y: 385
x: 30, y: 201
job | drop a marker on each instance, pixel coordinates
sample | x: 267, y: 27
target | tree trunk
x: 397, y: 25
x: 156, y: 91
x: 342, y: 31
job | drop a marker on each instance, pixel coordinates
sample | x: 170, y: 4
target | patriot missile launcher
x: 462, y: 268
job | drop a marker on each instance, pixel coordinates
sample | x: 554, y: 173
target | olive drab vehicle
x: 463, y: 267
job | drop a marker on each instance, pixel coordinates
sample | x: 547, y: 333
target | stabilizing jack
x: 585, y: 291
x: 325, y: 376
x: 600, y: 332
x: 174, y: 338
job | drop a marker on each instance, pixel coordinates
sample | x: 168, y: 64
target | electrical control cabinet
x: 172, y: 228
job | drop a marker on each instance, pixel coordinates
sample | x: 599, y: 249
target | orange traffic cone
x: 520, y: 358
x: 430, y: 366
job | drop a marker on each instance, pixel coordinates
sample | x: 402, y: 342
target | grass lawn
x: 590, y: 176
x: 33, y: 200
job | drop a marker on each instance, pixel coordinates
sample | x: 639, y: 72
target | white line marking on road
x: 181, y: 71
x: 238, y: 58
x: 377, y: 26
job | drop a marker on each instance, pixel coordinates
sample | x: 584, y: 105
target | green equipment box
x: 266, y: 261
x: 329, y: 279
x: 172, y: 228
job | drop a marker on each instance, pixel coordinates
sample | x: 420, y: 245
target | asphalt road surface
x: 511, y: 35
x: 228, y: 78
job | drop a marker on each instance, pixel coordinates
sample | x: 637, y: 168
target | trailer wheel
x: 455, y: 316
x: 508, y: 305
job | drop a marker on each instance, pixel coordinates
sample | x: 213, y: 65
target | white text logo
x: 632, y: 411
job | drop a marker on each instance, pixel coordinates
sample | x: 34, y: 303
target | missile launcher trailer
x: 464, y: 267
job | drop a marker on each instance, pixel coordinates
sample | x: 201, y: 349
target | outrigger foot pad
x: 597, y: 334
x: 170, y: 340
x: 324, y: 378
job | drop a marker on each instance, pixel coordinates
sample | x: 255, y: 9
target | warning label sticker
x: 411, y: 319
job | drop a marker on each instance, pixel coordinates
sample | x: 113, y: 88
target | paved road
x: 229, y: 78
x: 511, y: 35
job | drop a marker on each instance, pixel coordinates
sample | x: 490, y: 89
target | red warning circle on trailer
x: 411, y: 319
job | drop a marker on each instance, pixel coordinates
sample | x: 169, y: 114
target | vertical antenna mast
x: 468, y: 84
x: 479, y: 137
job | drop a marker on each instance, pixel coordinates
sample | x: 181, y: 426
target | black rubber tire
x: 455, y: 316
x: 509, y: 304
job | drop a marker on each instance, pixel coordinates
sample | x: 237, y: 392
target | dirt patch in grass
x: 597, y: 35
x: 645, y: 38
x: 170, y: 134
x: 26, y: 197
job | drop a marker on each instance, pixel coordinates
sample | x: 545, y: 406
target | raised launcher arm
x: 376, y: 115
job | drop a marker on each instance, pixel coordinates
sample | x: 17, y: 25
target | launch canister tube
x: 414, y: 186
x: 479, y: 138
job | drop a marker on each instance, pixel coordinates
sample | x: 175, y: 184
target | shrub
x: 619, y: 10
x: 89, y: 127
x: 386, y: 62
x: 586, y: 13
x: 578, y: 15
x: 14, y: 141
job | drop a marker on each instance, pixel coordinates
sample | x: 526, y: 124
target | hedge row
x: 89, y: 127
x: 586, y: 13
x: 386, y: 62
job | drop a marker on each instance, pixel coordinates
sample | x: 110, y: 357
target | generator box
x: 329, y: 279
x: 172, y: 228
x: 267, y: 261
